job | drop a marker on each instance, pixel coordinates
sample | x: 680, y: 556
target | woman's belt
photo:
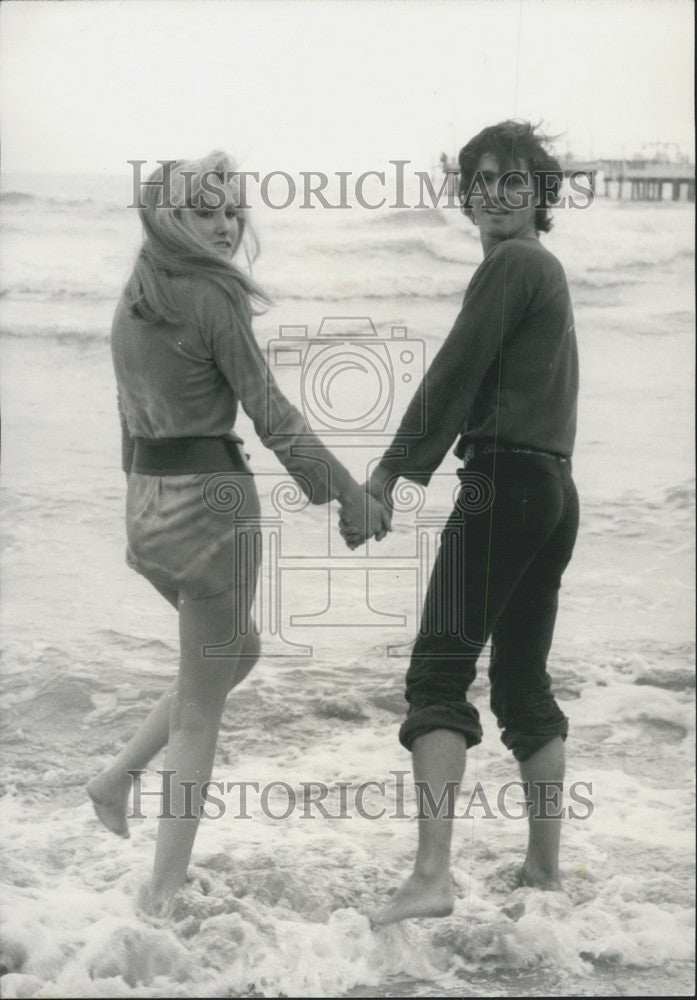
x: 187, y: 456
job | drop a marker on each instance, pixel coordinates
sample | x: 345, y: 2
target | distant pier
x: 649, y: 180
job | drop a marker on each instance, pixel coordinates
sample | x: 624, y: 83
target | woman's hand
x: 363, y: 516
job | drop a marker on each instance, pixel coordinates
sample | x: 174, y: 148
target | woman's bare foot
x: 533, y: 878
x: 150, y: 906
x: 420, y: 896
x: 110, y: 801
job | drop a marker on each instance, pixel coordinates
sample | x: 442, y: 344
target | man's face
x: 508, y: 208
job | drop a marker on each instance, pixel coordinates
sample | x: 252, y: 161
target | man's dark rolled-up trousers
x: 497, y: 575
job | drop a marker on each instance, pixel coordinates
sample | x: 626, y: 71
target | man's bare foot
x: 532, y: 878
x: 110, y: 802
x: 420, y: 896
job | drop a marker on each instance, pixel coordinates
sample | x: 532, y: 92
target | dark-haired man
x: 505, y: 383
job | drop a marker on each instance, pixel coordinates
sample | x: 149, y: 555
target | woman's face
x: 217, y: 228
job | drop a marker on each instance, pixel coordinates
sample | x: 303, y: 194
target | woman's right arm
x: 280, y: 426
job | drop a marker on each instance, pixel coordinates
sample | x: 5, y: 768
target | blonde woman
x: 184, y: 357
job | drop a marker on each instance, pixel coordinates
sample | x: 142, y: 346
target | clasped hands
x: 366, y: 511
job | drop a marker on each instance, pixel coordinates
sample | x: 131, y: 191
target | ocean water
x: 280, y: 906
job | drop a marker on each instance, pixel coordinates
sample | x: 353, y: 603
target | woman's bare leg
x: 196, y: 708
x: 543, y: 774
x: 109, y: 790
x: 439, y: 763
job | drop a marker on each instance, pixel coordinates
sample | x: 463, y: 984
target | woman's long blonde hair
x: 171, y: 250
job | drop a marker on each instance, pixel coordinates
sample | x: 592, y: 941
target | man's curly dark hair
x: 512, y: 142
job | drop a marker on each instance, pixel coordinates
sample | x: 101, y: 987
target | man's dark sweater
x: 507, y: 372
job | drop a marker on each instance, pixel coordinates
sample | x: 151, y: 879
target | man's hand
x: 381, y: 486
x: 362, y: 516
x: 374, y: 517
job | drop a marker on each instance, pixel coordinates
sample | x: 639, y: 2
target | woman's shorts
x: 197, y: 534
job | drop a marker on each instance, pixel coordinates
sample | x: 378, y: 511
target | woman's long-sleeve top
x: 187, y: 380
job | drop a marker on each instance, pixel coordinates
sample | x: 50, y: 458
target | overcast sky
x: 326, y: 84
